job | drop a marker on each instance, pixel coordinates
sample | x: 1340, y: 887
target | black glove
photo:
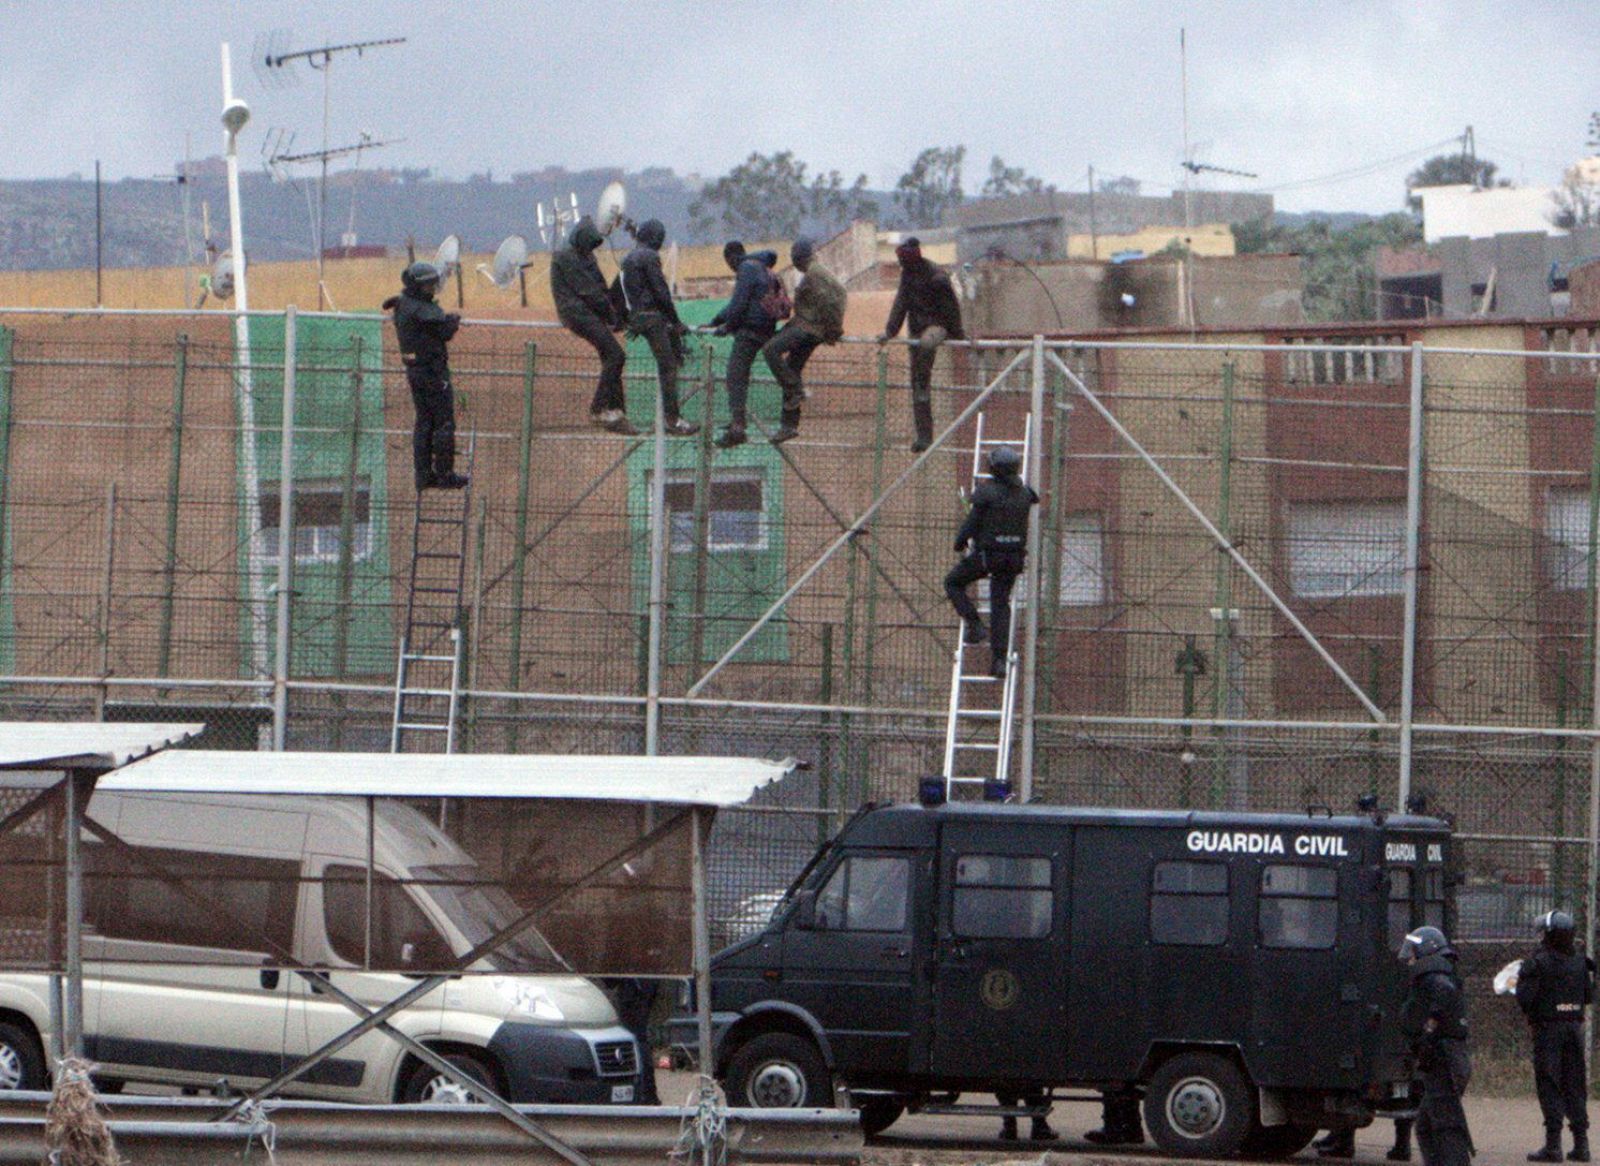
x: 961, y: 546
x: 452, y: 318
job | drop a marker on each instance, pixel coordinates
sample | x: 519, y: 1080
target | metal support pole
x: 1209, y: 527
x: 859, y: 525
x: 660, y: 526
x: 107, y: 579
x: 8, y: 339
x: 79, y: 785
x: 1408, y: 644
x: 347, y: 517
x: 280, y: 656
x: 1593, y: 882
x: 1223, y: 613
x: 169, y: 566
x: 1030, y: 672
x: 702, y: 522
x: 700, y: 833
x: 475, y: 624
x: 519, y: 557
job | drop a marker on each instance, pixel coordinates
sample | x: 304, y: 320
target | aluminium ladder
x: 427, y: 677
x: 981, y: 721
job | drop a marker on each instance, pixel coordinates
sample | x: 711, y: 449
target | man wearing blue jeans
x: 747, y: 320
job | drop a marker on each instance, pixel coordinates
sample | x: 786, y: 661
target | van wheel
x: 1283, y: 1141
x: 1199, y: 1105
x: 879, y: 1113
x: 778, y: 1070
x: 21, y: 1059
x: 428, y: 1084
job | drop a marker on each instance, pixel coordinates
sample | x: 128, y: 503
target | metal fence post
x: 280, y: 661
x: 107, y: 579
x: 1030, y: 671
x: 519, y: 560
x: 1593, y: 882
x: 169, y: 566
x: 1408, y: 646
x: 658, y: 585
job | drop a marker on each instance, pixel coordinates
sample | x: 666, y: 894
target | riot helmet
x: 1422, y: 943
x: 421, y: 277
x: 1004, y: 462
x: 1555, y: 923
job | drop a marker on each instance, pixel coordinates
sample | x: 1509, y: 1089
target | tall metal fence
x: 1275, y: 570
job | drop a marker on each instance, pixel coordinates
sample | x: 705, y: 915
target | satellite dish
x: 448, y: 257
x: 509, y: 259
x: 222, y: 276
x: 611, y: 212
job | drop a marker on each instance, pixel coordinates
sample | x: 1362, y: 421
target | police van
x: 1237, y: 970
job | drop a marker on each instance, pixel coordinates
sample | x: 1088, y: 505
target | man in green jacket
x: 819, y: 305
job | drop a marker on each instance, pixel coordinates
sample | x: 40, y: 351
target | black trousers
x: 1558, y: 1074
x: 635, y: 999
x: 1442, y: 1133
x: 594, y: 331
x: 786, y: 355
x: 667, y: 347
x: 433, y: 437
x: 747, y: 345
x: 1002, y: 568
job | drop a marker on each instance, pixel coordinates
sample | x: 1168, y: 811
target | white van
x: 193, y: 1010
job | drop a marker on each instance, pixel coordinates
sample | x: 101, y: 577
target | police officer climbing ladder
x: 1554, y: 985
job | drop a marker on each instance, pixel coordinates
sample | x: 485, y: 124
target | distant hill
x: 1336, y: 220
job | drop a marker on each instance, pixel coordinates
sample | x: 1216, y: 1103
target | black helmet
x: 1004, y: 460
x: 420, y: 276
x: 1555, y: 923
x: 1423, y: 942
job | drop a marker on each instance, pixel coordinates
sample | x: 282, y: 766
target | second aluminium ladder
x: 980, y: 726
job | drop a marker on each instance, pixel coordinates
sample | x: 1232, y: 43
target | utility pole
x: 1094, y: 233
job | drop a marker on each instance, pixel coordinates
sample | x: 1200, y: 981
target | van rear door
x: 999, y: 988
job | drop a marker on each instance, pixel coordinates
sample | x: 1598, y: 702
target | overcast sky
x: 1330, y: 103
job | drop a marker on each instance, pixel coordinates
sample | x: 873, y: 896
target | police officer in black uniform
x: 424, y: 330
x: 1434, y: 1016
x: 1553, y: 988
x: 994, y: 539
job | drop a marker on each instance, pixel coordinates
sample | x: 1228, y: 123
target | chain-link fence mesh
x: 1222, y: 583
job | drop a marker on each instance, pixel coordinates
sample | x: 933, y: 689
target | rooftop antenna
x: 555, y: 217
x: 1190, y: 166
x: 277, y: 68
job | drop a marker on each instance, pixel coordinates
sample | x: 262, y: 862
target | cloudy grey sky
x: 1330, y: 103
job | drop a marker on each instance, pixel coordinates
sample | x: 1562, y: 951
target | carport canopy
x: 78, y: 745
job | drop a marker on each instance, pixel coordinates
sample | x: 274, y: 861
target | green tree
x: 931, y: 186
x: 1005, y: 180
x: 1451, y: 170
x: 1336, y: 266
x: 1122, y: 185
x: 768, y: 197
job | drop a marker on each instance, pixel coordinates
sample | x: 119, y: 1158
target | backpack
x: 776, y: 303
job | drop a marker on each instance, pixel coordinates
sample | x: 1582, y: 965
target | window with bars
x: 736, y: 516
x: 318, y: 521
x: 1346, y: 548
x: 1084, y: 582
x: 1356, y: 360
x: 1566, y: 527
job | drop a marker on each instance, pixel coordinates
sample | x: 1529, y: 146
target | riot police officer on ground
x: 1434, y: 1017
x: 1554, y: 986
x: 994, y: 539
x: 424, y: 330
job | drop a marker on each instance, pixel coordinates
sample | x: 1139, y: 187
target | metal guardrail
x: 179, y: 1131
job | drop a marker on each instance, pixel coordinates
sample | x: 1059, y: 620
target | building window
x: 1189, y: 903
x: 1000, y: 896
x: 736, y: 516
x: 1299, y: 906
x: 1310, y: 360
x: 1083, y: 560
x: 318, y: 521
x: 1346, y: 548
x: 1566, y: 526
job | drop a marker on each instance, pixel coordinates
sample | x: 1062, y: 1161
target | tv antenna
x: 1191, y: 168
x: 278, y: 68
x: 555, y: 217
x: 510, y: 264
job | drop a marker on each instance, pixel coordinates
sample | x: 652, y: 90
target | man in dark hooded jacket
x: 819, y: 306
x: 584, y: 306
x: 424, y: 330
x: 747, y: 320
x: 994, y: 539
x: 1554, y: 986
x: 652, y: 314
x: 1434, y: 1017
x: 928, y: 300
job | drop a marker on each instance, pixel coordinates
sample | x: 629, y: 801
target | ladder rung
x: 989, y: 745
x: 411, y: 658
x: 413, y: 725
x: 968, y: 780
x: 439, y: 555
x: 977, y: 678
x: 405, y: 692
x: 437, y: 590
x: 430, y: 520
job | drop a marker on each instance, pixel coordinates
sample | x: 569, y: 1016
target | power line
x: 1361, y: 171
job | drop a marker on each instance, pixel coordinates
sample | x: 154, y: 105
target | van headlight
x: 530, y: 999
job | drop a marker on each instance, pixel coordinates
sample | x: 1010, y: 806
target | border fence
x: 1278, y: 569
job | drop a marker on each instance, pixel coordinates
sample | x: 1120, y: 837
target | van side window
x: 1002, y: 896
x: 1400, y: 881
x: 1433, y: 898
x: 865, y: 894
x: 189, y: 898
x: 1299, y: 906
x: 1189, y: 903
x: 396, y: 921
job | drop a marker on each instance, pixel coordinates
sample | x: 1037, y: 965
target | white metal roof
x: 84, y: 745
x: 705, y: 781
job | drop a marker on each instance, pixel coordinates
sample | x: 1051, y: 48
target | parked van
x: 1237, y: 970
x: 170, y: 997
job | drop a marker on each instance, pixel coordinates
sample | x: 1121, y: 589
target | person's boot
x: 1008, y: 1129
x: 678, y: 427
x: 922, y: 415
x: 1042, y: 1132
x: 1338, y: 1144
x: 617, y: 422
x: 1580, y: 1146
x: 424, y: 479
x: 788, y: 429
x: 997, y: 668
x: 451, y: 481
x: 975, y: 632
x: 1551, y: 1150
x: 731, y: 436
x: 1401, y: 1150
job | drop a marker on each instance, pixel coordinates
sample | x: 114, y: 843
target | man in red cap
x: 928, y: 299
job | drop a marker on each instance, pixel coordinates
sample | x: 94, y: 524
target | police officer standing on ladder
x: 1434, y: 1016
x: 424, y: 330
x: 1554, y: 986
x: 994, y: 539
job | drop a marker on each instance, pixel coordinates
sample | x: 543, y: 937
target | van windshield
x: 481, y: 910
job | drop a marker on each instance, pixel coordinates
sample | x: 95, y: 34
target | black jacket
x: 1435, y: 997
x: 744, y: 312
x: 643, y: 283
x: 424, y: 330
x: 928, y: 297
x: 998, y: 520
x: 575, y: 280
x: 1554, y: 985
